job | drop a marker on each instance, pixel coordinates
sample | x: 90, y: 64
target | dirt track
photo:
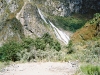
x: 40, y: 68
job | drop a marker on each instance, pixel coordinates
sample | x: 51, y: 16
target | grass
x: 90, y: 70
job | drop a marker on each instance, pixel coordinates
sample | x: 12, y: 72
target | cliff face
x: 31, y: 21
x: 59, y: 7
x: 90, y: 6
x: 28, y: 20
x: 66, y: 7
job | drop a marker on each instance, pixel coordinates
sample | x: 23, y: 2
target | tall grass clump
x: 90, y: 70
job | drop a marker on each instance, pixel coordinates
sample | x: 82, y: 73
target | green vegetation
x: 91, y: 70
x: 87, y: 51
x: 68, y: 23
x: 9, y: 51
x: 70, y: 48
x: 15, y: 51
x: 41, y: 43
x: 96, y: 17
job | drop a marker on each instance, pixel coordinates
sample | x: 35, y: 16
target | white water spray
x: 42, y: 16
x: 60, y: 35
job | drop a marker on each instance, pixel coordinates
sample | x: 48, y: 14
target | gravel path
x: 40, y: 68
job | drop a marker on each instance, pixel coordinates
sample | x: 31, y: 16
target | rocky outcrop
x: 31, y: 21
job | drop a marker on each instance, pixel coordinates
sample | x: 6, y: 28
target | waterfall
x: 42, y: 16
x: 59, y: 34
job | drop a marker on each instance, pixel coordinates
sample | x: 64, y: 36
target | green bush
x: 47, y: 38
x: 91, y: 70
x: 96, y: 14
x: 56, y: 46
x: 27, y: 43
x: 91, y: 22
x: 40, y: 44
x: 70, y: 47
x: 9, y: 51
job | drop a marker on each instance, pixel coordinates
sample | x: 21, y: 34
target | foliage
x: 14, y: 51
x: 87, y: 51
x: 70, y: 47
x: 96, y: 17
x: 40, y: 44
x: 69, y: 23
x: 39, y: 48
x: 46, y: 39
x: 9, y: 51
x: 91, y: 70
x: 96, y: 14
x: 27, y: 43
x: 92, y: 52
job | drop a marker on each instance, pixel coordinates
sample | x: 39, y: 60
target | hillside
x: 90, y: 31
x: 56, y: 10
x: 51, y: 30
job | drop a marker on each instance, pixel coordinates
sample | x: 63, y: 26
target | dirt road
x: 40, y: 68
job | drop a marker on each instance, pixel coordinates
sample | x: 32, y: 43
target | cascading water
x: 42, y: 16
x: 60, y: 35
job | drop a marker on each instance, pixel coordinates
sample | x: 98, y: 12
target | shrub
x: 9, y: 51
x: 70, y: 48
x: 91, y: 22
x: 90, y: 52
x: 27, y: 43
x: 51, y: 42
x: 96, y: 14
x: 40, y: 44
x: 56, y: 46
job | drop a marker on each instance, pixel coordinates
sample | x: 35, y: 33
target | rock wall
x: 31, y: 21
x: 66, y: 7
x: 59, y: 7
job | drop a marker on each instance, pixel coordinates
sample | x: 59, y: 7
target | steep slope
x: 31, y: 21
x: 10, y: 27
x: 12, y: 30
